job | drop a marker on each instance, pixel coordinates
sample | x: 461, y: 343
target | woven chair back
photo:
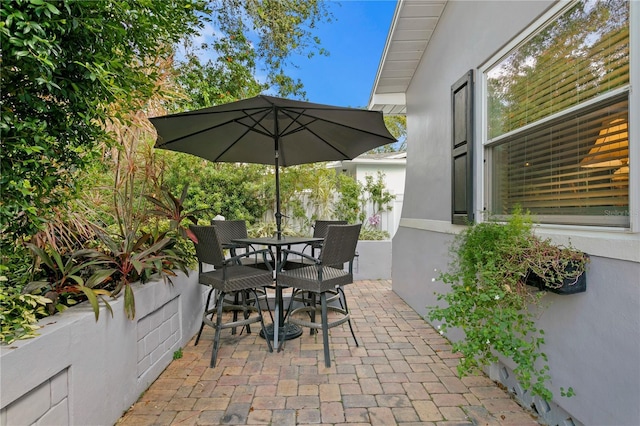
x: 208, y: 248
x: 321, y: 226
x: 228, y: 230
x: 340, y: 244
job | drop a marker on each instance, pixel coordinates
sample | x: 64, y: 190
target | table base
x: 286, y: 332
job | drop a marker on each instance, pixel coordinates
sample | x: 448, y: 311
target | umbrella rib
x: 290, y: 114
x: 224, y: 123
x: 290, y: 110
x: 294, y: 120
x: 248, y: 129
x: 262, y: 130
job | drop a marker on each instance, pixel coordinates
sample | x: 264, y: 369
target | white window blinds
x: 571, y: 170
x: 558, y: 119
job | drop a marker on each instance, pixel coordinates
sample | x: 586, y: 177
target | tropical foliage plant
x: 130, y: 258
x: 65, y: 276
x: 171, y: 208
x: 111, y: 263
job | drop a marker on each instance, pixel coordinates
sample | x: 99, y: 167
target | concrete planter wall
x: 83, y: 372
x: 373, y: 261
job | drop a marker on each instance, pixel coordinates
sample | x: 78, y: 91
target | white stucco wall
x: 592, y: 338
x: 79, y: 371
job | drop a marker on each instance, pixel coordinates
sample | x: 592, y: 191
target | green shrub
x: 490, y: 301
x: 373, y: 234
x: 19, y: 313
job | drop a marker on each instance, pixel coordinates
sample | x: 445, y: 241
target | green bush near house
x: 373, y: 234
x: 490, y: 301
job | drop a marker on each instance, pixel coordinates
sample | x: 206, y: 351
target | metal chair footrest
x: 303, y: 297
x: 231, y: 308
x: 239, y: 323
x: 318, y: 325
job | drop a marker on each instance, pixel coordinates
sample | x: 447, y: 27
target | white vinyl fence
x: 388, y: 221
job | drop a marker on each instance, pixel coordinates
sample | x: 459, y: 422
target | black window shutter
x: 462, y: 150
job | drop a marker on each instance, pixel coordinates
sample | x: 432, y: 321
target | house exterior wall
x: 591, y: 338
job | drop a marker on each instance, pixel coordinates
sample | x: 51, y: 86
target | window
x: 557, y: 119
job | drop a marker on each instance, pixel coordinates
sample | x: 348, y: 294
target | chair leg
x: 206, y: 308
x: 245, y: 308
x: 312, y: 314
x: 264, y: 331
x: 216, y: 339
x: 266, y: 301
x: 236, y: 301
x: 343, y: 298
x: 325, y: 329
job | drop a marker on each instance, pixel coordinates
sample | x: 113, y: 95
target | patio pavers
x: 402, y: 373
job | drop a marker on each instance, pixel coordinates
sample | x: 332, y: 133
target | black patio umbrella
x: 270, y: 130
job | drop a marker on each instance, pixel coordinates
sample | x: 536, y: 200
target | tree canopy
x: 63, y: 64
x: 70, y: 67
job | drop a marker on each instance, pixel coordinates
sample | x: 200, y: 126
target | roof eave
x: 413, y: 23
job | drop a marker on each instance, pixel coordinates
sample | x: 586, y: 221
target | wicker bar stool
x: 229, y: 278
x: 321, y: 280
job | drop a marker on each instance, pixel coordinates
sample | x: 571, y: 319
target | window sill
x: 613, y: 243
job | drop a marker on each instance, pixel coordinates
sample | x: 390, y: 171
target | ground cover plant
x: 490, y: 301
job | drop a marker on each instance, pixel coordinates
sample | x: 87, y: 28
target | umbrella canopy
x: 270, y: 130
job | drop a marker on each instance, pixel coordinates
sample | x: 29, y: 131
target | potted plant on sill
x: 492, y: 303
x: 555, y: 268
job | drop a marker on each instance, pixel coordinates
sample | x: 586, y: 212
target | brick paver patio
x: 402, y: 373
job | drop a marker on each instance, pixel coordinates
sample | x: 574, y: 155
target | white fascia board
x: 387, y: 46
x: 388, y: 99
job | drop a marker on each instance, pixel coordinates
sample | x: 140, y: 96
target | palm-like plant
x: 172, y: 208
x: 66, y: 274
x: 129, y: 259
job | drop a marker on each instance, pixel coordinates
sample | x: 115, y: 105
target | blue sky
x: 355, y: 40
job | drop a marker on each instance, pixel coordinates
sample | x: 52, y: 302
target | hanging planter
x: 568, y: 285
x: 558, y: 269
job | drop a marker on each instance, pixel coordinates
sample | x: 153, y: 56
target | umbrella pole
x: 278, y: 213
x: 276, y: 137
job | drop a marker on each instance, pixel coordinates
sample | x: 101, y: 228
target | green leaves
x: 490, y: 303
x: 63, y: 64
x: 92, y: 297
x: 19, y: 313
x: 172, y: 208
x: 129, y: 302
